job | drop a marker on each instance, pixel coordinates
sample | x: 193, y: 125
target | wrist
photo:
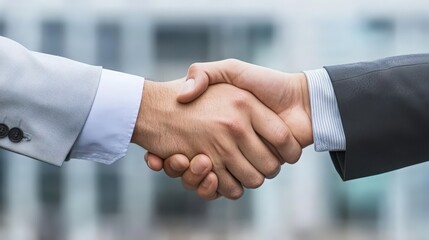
x: 304, y: 93
x: 305, y: 101
x: 144, y: 127
x: 158, y: 106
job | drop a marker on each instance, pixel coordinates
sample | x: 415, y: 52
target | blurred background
x: 158, y: 40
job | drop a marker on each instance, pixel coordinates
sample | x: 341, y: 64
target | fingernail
x: 188, y: 86
x: 197, y: 169
x: 205, y: 183
x: 148, y: 164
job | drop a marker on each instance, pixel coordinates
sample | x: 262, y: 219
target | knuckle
x: 177, y: 163
x: 235, y: 193
x: 194, y: 67
x: 235, y: 127
x: 272, y: 168
x: 255, y: 182
x: 232, y: 61
x: 242, y: 99
x: 282, y: 137
x: 203, y: 162
x: 295, y: 157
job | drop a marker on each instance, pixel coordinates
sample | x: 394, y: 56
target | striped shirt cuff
x: 328, y: 131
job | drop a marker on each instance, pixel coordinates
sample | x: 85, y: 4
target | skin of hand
x: 286, y: 94
x: 195, y: 174
x: 225, y: 124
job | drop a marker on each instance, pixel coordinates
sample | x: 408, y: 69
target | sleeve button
x: 4, y: 130
x: 16, y: 135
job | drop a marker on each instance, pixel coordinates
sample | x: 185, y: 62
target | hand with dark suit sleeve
x: 382, y: 107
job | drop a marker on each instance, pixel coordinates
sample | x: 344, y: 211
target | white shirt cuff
x: 328, y: 131
x: 107, y: 132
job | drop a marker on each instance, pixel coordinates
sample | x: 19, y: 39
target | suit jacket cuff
x: 383, y: 106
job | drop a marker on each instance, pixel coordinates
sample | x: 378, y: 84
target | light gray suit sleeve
x: 47, y: 97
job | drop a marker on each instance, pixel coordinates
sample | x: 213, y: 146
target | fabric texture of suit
x: 48, y: 97
x: 384, y: 108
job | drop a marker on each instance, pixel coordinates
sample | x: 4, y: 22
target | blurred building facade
x: 159, y: 40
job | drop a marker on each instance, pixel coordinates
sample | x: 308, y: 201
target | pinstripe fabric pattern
x: 328, y: 131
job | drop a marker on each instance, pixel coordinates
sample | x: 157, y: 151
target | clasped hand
x: 230, y: 125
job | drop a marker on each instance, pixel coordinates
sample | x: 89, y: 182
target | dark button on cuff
x: 4, y: 130
x: 16, y: 135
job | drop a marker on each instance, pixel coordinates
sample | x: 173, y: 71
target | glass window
x: 381, y: 25
x: 179, y: 45
x: 108, y: 185
x: 2, y: 28
x: 109, y: 46
x: 380, y: 34
x: 182, y: 43
x: 50, y: 191
x: 51, y: 197
x: 260, y: 40
x: 53, y: 38
x: 185, y: 204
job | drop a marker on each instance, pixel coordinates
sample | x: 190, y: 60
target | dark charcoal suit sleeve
x: 384, y: 108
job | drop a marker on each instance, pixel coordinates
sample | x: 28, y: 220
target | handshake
x: 228, y: 125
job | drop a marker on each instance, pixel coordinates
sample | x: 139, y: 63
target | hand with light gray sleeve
x: 53, y: 109
x: 371, y: 116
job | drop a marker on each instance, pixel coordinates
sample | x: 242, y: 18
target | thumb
x: 196, y: 84
x: 201, y: 75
